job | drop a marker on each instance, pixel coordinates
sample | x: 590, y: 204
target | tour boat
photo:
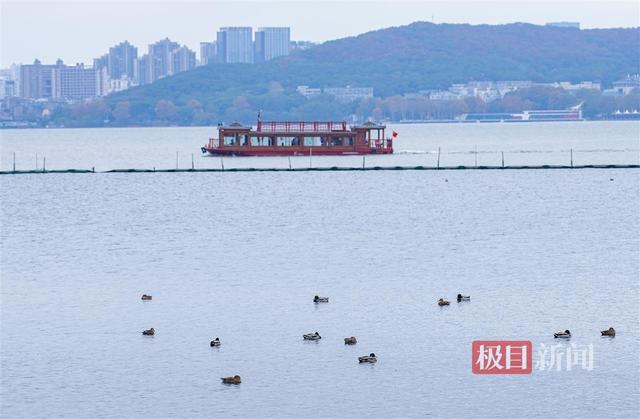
x: 302, y: 138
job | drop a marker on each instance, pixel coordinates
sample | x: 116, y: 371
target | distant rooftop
x: 575, y: 25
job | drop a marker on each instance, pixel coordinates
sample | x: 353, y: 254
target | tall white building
x: 207, y: 52
x: 182, y: 59
x: 271, y: 43
x: 235, y: 45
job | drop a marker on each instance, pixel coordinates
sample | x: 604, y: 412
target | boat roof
x: 300, y: 126
x: 234, y: 125
x: 369, y: 125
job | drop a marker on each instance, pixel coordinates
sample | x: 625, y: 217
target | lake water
x: 460, y: 144
x: 241, y: 255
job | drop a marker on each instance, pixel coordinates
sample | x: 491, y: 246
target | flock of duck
x: 567, y: 333
x: 352, y: 340
x: 559, y: 335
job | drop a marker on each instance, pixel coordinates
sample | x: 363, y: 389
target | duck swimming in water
x: 562, y: 335
x: 463, y: 298
x: 609, y: 332
x: 312, y: 336
x: 146, y: 297
x: 350, y: 341
x: 317, y: 299
x: 215, y: 342
x: 443, y: 302
x: 371, y: 359
x: 231, y: 380
x: 149, y: 332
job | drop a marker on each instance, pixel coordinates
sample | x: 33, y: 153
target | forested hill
x: 425, y: 56
x: 393, y: 61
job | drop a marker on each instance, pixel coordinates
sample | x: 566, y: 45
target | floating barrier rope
x: 327, y: 169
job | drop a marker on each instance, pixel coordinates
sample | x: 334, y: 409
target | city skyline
x: 193, y: 23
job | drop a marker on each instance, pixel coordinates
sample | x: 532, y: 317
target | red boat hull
x: 296, y: 151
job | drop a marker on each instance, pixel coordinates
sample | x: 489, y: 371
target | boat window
x: 342, y: 141
x: 229, y: 140
x: 312, y: 141
x: 260, y: 141
x: 285, y: 141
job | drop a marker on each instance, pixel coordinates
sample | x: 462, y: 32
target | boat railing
x: 301, y: 126
x: 380, y: 143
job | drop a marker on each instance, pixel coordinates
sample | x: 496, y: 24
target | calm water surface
x: 459, y: 144
x: 241, y: 255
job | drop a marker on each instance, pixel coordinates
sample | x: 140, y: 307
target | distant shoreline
x: 403, y: 122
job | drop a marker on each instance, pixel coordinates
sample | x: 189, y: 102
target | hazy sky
x: 82, y: 30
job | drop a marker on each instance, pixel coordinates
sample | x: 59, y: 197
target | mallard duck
x: 443, y: 302
x: 215, y: 342
x: 562, y: 335
x: 146, y: 297
x: 463, y: 298
x: 231, y: 380
x: 312, y: 336
x: 149, y: 332
x: 609, y: 332
x: 371, y: 359
x: 317, y: 299
x: 350, y: 341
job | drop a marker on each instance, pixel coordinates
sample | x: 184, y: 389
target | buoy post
x: 192, y: 165
x: 571, y: 157
x: 222, y: 163
x: 363, y: 162
x: 438, y: 166
x: 502, y: 159
x: 14, y: 161
x: 176, y: 160
x: 475, y: 154
x: 289, y: 157
x: 44, y: 164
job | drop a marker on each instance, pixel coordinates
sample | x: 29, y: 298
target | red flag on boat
x: 394, y: 134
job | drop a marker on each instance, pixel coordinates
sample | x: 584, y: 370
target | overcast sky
x: 82, y: 30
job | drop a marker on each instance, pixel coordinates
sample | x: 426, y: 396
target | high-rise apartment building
x: 36, y: 80
x: 160, y: 58
x: 120, y: 60
x: 164, y: 59
x: 271, y: 43
x: 207, y: 52
x: 141, y: 70
x: 101, y: 62
x: 235, y: 45
x: 7, y: 87
x: 182, y: 59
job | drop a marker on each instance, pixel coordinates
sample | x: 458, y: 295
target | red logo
x: 501, y: 356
